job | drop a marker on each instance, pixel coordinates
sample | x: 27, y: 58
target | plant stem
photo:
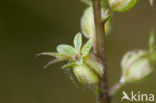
x: 100, y: 50
x: 115, y: 89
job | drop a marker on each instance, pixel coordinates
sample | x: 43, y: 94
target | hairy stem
x: 100, y: 50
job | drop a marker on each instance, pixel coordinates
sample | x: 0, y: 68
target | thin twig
x: 103, y: 97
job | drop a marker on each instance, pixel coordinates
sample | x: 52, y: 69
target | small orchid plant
x: 88, y: 62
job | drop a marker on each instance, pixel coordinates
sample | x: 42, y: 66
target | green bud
x: 85, y: 75
x: 136, y: 66
x: 88, y: 26
x: 122, y: 5
x: 95, y: 64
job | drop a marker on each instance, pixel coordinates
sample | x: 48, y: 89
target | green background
x: 28, y: 27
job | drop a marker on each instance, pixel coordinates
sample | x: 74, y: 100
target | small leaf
x: 151, y: 42
x: 66, y: 50
x: 78, y: 42
x: 59, y: 57
x: 86, y: 48
x: 68, y: 65
x: 53, y: 54
x: 52, y: 62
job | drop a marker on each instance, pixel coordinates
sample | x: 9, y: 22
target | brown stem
x: 103, y: 97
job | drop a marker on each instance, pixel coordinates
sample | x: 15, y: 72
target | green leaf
x: 68, y: 65
x: 53, y: 54
x: 78, y: 42
x: 86, y: 48
x: 66, y: 50
x: 151, y: 42
x: 58, y: 58
x: 53, y: 61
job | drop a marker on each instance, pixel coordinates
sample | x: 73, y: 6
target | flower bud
x: 85, y: 75
x: 95, y: 64
x: 88, y: 26
x: 122, y: 5
x: 136, y: 66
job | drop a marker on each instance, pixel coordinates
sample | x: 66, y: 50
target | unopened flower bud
x: 122, y: 5
x: 136, y: 66
x: 85, y: 75
x: 88, y: 26
x: 95, y: 64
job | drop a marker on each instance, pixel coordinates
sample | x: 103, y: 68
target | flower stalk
x: 115, y: 89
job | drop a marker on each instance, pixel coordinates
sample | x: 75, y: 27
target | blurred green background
x: 28, y: 27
